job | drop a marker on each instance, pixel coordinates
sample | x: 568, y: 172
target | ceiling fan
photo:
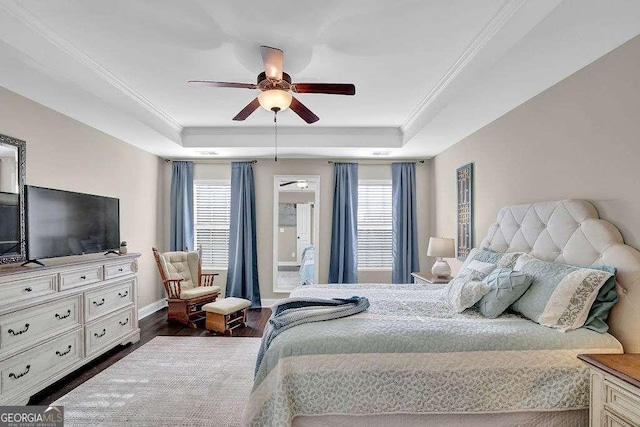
x: 275, y: 88
x: 302, y: 183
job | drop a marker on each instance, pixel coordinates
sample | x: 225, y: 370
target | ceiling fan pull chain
x: 275, y: 120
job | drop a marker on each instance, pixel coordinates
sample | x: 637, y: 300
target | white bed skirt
x: 573, y: 418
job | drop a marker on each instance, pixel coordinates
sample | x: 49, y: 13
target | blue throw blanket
x: 290, y: 312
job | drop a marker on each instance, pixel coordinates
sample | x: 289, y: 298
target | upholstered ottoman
x: 226, y: 314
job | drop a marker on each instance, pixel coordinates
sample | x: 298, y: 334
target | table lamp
x: 441, y: 247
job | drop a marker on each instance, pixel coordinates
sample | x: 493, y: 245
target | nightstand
x: 426, y: 278
x: 615, y: 389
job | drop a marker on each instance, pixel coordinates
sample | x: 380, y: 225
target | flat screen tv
x: 9, y: 223
x: 61, y: 223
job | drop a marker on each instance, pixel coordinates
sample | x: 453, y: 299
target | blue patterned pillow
x: 506, y: 286
x: 606, y: 299
x: 561, y: 295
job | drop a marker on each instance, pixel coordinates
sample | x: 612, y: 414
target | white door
x: 303, y: 213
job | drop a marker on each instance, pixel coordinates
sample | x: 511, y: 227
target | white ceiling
x: 427, y: 73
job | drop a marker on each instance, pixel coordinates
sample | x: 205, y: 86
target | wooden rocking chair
x: 187, y: 288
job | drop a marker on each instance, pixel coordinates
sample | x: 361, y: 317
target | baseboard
x: 151, y: 308
x: 268, y: 302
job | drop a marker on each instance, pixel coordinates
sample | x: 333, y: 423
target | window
x: 374, y: 225
x: 212, y: 200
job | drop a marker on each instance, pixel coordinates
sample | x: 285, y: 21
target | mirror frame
x: 277, y: 179
x: 22, y: 180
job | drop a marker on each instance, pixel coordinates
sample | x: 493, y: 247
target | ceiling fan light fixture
x: 275, y: 98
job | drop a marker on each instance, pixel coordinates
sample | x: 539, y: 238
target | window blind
x: 212, y: 200
x: 374, y: 225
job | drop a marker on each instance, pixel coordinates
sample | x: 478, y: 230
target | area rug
x: 170, y: 381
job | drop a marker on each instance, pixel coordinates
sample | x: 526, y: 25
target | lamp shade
x: 274, y: 98
x: 441, y: 247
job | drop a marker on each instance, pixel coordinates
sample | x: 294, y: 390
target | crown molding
x: 28, y: 19
x: 499, y: 20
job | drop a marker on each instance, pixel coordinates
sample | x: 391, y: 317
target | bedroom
x: 561, y: 122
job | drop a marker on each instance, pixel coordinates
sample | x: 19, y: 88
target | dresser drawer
x: 38, y: 364
x: 119, y: 269
x: 104, y: 332
x: 610, y: 420
x: 27, y: 288
x: 102, y: 301
x: 622, y: 402
x: 80, y: 277
x: 27, y: 326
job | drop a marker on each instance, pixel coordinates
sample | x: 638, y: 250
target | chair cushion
x: 227, y: 305
x: 181, y: 265
x: 198, y: 291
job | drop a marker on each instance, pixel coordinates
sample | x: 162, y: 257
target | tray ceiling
x: 428, y: 73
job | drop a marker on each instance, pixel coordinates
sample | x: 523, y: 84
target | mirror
x: 12, y: 180
x: 296, y: 219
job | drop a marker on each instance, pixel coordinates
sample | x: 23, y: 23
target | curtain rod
x: 375, y: 162
x: 219, y: 161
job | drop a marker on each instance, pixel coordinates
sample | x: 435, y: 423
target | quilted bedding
x: 411, y: 354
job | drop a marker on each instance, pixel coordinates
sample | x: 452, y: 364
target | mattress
x: 411, y: 354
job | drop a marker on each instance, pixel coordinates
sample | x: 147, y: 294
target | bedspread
x: 410, y: 353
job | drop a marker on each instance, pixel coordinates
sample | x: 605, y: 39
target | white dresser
x: 54, y: 319
x: 615, y: 389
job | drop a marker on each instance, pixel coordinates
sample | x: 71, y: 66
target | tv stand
x: 31, y: 261
x: 112, y: 252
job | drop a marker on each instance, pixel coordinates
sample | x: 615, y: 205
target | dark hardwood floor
x: 150, y: 327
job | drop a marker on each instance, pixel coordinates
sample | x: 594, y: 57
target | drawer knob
x: 120, y: 269
x: 83, y: 277
x: 124, y: 323
x: 98, y: 304
x: 63, y: 316
x: 126, y: 293
x: 16, y: 333
x: 64, y: 353
x: 97, y: 335
x: 29, y: 289
x: 15, y: 377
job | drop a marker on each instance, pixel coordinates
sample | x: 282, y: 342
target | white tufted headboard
x: 570, y: 232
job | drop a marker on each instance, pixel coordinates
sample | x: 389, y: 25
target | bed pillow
x: 606, y: 299
x: 467, y: 288
x: 505, y: 287
x: 487, y: 255
x: 561, y: 295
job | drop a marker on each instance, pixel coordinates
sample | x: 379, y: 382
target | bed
x: 410, y: 360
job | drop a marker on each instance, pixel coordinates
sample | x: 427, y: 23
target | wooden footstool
x: 226, y: 314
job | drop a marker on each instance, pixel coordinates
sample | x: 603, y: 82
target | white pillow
x: 467, y: 288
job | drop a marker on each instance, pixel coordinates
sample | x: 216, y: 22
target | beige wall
x: 66, y: 154
x: 287, y: 244
x: 264, y: 172
x: 578, y: 139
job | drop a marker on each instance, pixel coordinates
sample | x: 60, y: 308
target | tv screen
x: 61, y: 223
x: 9, y: 223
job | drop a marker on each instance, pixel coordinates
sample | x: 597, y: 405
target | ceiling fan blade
x: 303, y: 111
x: 246, y: 111
x: 272, y: 59
x: 287, y: 183
x: 209, y: 83
x: 330, y: 88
